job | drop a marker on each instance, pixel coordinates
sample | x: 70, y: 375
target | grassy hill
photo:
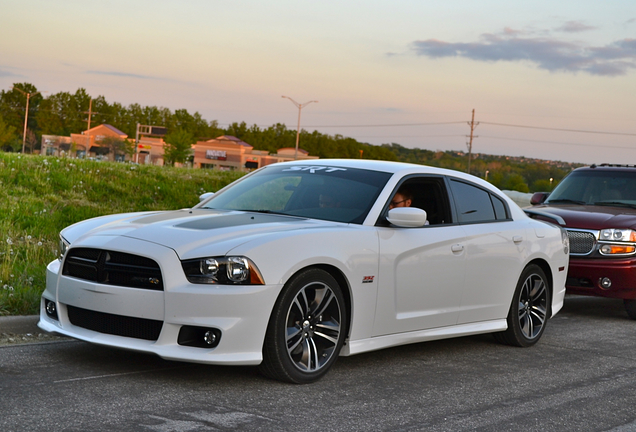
x: 41, y: 195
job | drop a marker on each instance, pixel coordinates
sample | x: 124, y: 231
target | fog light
x: 199, y: 337
x: 209, y: 337
x: 605, y: 283
x: 51, y: 309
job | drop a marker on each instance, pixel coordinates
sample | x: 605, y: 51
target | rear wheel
x: 306, y: 329
x: 529, y: 310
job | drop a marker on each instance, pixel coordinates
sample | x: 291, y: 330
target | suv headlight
x: 63, y: 247
x: 565, y: 240
x: 616, y: 241
x: 616, y: 234
x: 233, y: 270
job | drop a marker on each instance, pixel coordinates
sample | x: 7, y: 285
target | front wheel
x: 630, y: 308
x: 306, y: 330
x: 529, y: 310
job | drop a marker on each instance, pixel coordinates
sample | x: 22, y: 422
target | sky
x: 546, y: 79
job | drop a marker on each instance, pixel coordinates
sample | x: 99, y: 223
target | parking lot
x: 581, y: 376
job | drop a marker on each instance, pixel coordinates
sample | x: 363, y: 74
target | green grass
x: 40, y: 195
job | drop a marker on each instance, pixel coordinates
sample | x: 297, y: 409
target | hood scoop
x: 232, y: 220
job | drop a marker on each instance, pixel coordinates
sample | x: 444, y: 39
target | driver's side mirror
x: 407, y: 217
x: 539, y: 198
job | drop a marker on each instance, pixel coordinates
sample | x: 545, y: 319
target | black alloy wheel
x: 306, y: 329
x: 530, y: 309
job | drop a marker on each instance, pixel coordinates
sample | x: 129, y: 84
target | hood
x: 592, y: 217
x: 190, y: 232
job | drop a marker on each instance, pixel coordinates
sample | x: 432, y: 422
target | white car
x: 298, y: 263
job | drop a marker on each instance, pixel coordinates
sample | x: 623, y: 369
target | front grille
x: 581, y: 242
x: 113, y: 268
x: 117, y: 325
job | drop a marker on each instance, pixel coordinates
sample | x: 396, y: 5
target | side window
x: 426, y: 192
x: 473, y: 203
x: 500, y: 208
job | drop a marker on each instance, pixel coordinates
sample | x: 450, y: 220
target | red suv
x: 597, y: 207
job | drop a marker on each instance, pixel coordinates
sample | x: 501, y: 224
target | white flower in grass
x: 9, y: 241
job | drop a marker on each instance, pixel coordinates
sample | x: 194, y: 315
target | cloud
x: 4, y: 73
x: 549, y: 53
x: 575, y: 27
x: 120, y: 74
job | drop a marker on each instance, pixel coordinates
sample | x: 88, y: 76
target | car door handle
x: 457, y: 248
x: 517, y: 239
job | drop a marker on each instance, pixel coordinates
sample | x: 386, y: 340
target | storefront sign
x: 216, y: 154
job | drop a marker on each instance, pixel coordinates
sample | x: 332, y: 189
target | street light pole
x: 26, y: 114
x: 300, y: 107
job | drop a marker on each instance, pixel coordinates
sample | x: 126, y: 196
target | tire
x: 529, y: 311
x: 630, y: 308
x: 306, y: 329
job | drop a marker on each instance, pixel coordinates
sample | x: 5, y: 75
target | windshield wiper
x: 615, y: 204
x: 262, y: 211
x: 565, y: 200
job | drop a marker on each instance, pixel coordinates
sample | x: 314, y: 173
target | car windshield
x: 336, y: 194
x: 597, y: 187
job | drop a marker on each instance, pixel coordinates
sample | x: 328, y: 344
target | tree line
x: 64, y: 113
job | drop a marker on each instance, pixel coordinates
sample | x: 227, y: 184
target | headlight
x: 615, y: 241
x: 233, y: 270
x: 565, y: 239
x: 615, y: 234
x: 63, y: 247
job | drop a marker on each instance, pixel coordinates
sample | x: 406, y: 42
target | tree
x: 13, y: 106
x: 31, y: 142
x: 117, y: 146
x: 178, y: 146
x: 7, y: 134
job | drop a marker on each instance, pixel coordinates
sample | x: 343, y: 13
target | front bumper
x: 585, y: 275
x: 240, y: 313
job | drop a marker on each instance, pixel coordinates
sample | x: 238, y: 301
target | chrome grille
x: 581, y: 242
x: 113, y: 268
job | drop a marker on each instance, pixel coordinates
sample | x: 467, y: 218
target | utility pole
x: 90, y: 113
x: 26, y: 114
x: 472, y: 125
x: 90, y: 116
x: 300, y: 107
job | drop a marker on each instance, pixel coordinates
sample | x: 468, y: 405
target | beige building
x: 230, y: 153
x: 223, y: 153
x: 90, y: 143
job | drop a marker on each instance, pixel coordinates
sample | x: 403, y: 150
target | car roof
x: 380, y: 165
x: 608, y: 167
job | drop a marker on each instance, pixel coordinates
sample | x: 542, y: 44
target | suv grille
x: 113, y: 268
x: 117, y: 325
x: 581, y: 242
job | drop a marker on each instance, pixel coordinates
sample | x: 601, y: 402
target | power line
x: 558, y: 129
x: 558, y: 142
x: 386, y: 125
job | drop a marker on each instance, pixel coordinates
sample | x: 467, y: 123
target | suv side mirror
x: 539, y: 198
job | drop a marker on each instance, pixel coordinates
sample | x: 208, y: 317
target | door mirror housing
x: 407, y: 217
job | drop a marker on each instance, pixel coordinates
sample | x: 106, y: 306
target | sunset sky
x: 551, y: 80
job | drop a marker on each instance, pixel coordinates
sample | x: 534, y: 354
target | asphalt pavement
x: 581, y: 376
